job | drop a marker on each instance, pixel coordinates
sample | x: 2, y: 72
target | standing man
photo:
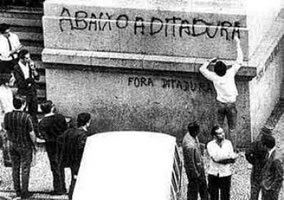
x: 256, y: 155
x: 71, y: 147
x: 51, y: 126
x: 193, y: 164
x: 26, y: 74
x: 224, y: 83
x: 222, y: 156
x: 9, y: 48
x: 21, y: 137
x: 272, y: 172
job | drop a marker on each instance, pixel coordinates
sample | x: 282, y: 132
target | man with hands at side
x: 222, y: 156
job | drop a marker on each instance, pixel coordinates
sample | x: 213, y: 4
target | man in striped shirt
x: 22, y: 139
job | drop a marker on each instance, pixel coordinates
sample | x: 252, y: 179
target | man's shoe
x: 26, y: 195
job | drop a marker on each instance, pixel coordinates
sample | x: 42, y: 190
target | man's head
x: 268, y: 140
x: 47, y: 107
x: 266, y: 130
x: 83, y: 119
x: 19, y: 102
x: 218, y: 133
x: 5, y: 78
x: 220, y: 68
x: 5, y: 29
x: 193, y: 129
x: 24, y: 56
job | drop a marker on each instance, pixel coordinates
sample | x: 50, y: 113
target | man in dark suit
x: 71, y: 146
x: 272, y: 172
x: 256, y: 155
x: 51, y: 126
x: 26, y: 74
x: 193, y: 163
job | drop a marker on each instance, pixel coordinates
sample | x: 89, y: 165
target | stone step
x: 281, y: 102
x: 41, y: 93
x: 30, y: 36
x: 35, y: 51
x: 28, y: 29
x: 27, y: 24
x: 21, y: 12
x: 21, y: 22
x: 33, y: 43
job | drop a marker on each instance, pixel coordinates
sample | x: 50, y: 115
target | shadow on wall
x: 154, y: 118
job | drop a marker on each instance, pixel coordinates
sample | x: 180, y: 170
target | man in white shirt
x: 9, y: 48
x: 222, y: 156
x: 224, y: 83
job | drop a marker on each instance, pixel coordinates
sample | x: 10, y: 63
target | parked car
x: 129, y: 165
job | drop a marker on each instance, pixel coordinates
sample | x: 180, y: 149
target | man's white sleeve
x: 206, y: 73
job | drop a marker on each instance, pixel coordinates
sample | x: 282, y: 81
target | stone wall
x: 135, y: 64
x: 145, y: 30
x: 265, y: 88
x: 140, y: 100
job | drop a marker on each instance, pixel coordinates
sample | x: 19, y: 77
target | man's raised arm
x: 240, y: 56
x: 205, y: 71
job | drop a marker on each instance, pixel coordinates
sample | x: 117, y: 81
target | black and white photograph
x: 141, y: 99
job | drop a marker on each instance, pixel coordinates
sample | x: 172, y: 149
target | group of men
x: 266, y: 175
x: 16, y: 60
x: 64, y: 145
x: 267, y: 171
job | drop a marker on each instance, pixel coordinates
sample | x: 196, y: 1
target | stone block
x: 147, y: 31
x: 137, y: 100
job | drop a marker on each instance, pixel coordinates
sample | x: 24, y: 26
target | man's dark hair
x: 266, y: 130
x: 4, y: 27
x: 5, y: 78
x: 22, y: 53
x: 268, y: 141
x: 46, y: 106
x: 220, y: 68
x: 83, y: 119
x: 18, y: 101
x: 213, y: 130
x: 193, y: 127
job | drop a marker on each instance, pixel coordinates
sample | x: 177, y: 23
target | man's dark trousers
x: 271, y: 194
x: 255, y: 181
x: 31, y: 107
x: 57, y: 171
x: 21, y: 155
x: 216, y: 183
x: 196, y: 186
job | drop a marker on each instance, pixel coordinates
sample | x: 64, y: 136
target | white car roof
x: 127, y: 165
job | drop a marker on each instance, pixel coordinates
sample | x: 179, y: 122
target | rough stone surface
x: 134, y: 61
x: 141, y: 100
x: 111, y: 95
x: 265, y: 88
x: 152, y: 31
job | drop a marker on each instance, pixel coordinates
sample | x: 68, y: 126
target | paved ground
x: 40, y: 181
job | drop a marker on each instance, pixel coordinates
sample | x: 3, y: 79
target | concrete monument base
x: 134, y: 64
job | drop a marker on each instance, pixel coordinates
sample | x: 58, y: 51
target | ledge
x: 131, y: 61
